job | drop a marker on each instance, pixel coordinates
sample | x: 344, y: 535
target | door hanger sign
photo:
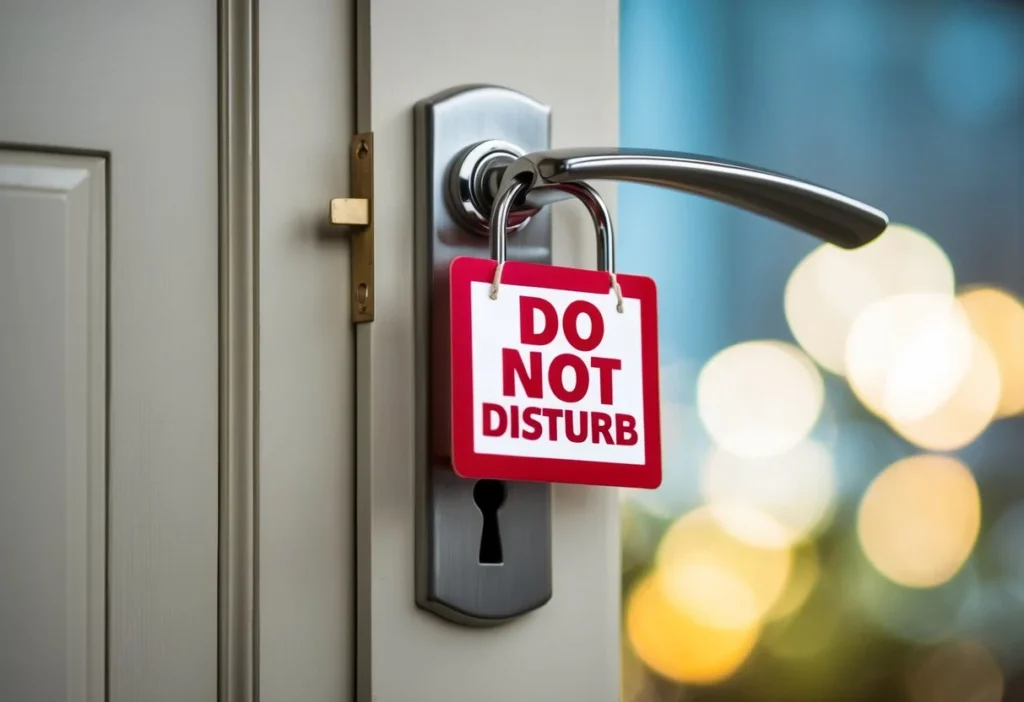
x: 553, y: 380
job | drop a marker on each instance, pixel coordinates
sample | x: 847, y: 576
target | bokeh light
x: 716, y: 579
x: 998, y: 318
x: 959, y: 671
x: 795, y: 490
x: 919, y: 520
x: 907, y: 354
x: 829, y: 289
x: 670, y: 642
x: 965, y: 414
x: 759, y: 398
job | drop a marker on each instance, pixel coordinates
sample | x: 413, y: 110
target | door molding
x: 238, y: 529
x: 76, y: 184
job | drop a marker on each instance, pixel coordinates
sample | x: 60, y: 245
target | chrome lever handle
x: 823, y: 213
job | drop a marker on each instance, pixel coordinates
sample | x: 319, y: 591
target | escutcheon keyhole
x: 489, y: 495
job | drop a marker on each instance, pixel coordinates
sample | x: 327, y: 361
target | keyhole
x: 489, y: 495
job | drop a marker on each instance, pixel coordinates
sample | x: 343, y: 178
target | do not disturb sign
x: 551, y: 381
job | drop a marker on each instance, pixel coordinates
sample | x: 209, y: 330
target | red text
x: 578, y: 426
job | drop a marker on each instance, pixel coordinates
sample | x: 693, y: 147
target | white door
x: 206, y: 470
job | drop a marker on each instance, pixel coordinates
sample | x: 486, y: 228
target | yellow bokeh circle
x: 919, y: 519
x: 965, y: 414
x: 916, y: 361
x: 828, y: 289
x: 907, y: 354
x: 759, y: 398
x: 795, y: 491
x: 998, y: 318
x: 716, y: 579
x: 672, y: 644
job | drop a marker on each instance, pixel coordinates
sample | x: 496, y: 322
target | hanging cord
x: 615, y: 287
x: 618, y: 293
x: 496, y: 283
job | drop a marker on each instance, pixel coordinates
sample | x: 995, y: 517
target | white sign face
x: 550, y: 381
x: 557, y: 374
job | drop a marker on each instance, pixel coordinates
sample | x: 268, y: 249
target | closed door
x: 206, y: 468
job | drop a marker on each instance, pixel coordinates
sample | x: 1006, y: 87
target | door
x: 206, y: 470
x: 128, y: 377
x: 563, y: 54
x: 109, y: 351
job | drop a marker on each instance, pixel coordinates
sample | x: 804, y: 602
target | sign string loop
x: 599, y: 215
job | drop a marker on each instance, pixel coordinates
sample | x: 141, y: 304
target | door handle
x: 483, y: 154
x: 818, y: 211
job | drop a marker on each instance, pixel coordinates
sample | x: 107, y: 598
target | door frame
x: 390, y: 633
x: 238, y: 197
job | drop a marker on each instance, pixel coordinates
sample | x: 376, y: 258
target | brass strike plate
x: 352, y: 211
x: 357, y: 212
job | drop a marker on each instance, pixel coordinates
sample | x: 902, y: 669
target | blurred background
x: 842, y: 516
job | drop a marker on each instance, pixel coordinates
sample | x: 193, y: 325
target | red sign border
x: 466, y: 462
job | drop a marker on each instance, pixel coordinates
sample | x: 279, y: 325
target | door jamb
x: 238, y: 252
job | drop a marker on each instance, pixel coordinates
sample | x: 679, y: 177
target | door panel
x: 306, y: 541
x: 136, y: 81
x: 53, y: 247
x: 563, y: 54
